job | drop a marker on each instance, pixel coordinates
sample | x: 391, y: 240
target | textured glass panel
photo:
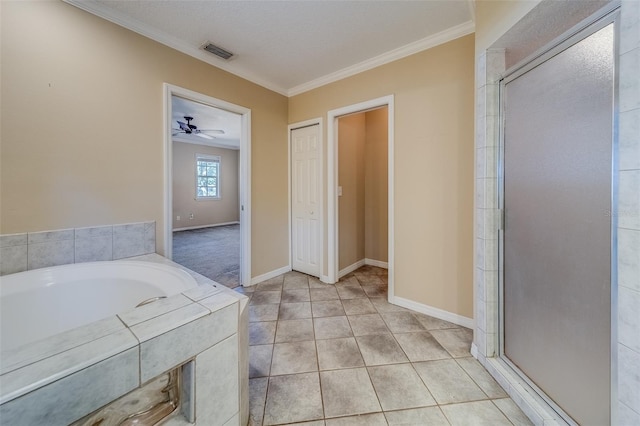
x: 557, y: 240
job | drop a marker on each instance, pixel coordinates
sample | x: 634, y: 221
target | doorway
x: 556, y: 194
x: 213, y: 195
x: 348, y: 254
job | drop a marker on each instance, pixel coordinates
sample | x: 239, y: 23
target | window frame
x: 208, y: 158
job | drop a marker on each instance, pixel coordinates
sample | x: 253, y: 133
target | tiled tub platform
x: 203, y: 331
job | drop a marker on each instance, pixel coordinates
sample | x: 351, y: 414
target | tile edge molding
x: 433, y: 312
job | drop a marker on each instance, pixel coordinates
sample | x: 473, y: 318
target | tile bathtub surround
x: 89, y: 367
x: 355, y: 359
x: 33, y: 250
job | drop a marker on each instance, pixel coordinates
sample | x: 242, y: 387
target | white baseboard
x: 190, y: 228
x: 434, y: 312
x: 269, y: 275
x: 378, y: 263
x: 351, y: 268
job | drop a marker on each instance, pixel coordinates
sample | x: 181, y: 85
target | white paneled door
x: 305, y: 199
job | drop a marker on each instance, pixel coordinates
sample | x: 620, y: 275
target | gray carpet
x: 212, y: 252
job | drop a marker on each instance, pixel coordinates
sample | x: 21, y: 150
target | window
x: 207, y: 177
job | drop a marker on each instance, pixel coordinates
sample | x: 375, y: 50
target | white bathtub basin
x: 43, y: 302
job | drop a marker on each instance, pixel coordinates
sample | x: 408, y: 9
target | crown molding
x: 134, y: 25
x: 445, y: 36
x: 393, y: 55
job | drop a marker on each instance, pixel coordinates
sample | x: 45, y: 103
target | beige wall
x: 495, y: 17
x: 205, y: 212
x: 376, y: 196
x: 351, y: 205
x: 434, y: 100
x: 82, y: 127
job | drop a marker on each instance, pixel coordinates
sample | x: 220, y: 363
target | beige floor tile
x: 348, y: 392
x: 513, y: 412
x: 375, y: 419
x: 292, y: 358
x: 347, y: 281
x: 298, y: 310
x: 380, y: 350
x: 327, y: 293
x: 482, y: 378
x: 456, y: 341
x: 327, y: 308
x: 431, y: 323
x: 382, y: 305
x: 296, y: 280
x: 257, y: 399
x: 399, y: 387
x: 421, y: 346
x: 338, y: 353
x: 331, y: 327
x: 475, y: 413
x: 375, y: 290
x: 273, y: 284
x: 363, y: 325
x: 258, y: 313
x: 295, y: 295
x: 313, y: 423
x: 293, y: 398
x: 294, y: 330
x: 448, y: 382
x: 316, y: 283
x: 350, y: 292
x: 358, y: 306
x: 261, y: 333
x: 431, y: 416
x: 260, y: 360
x: 401, y: 322
x: 369, y: 280
x: 265, y: 297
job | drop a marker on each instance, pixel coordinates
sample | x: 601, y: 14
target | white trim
x: 244, y: 172
x: 269, y: 275
x: 378, y: 263
x: 191, y: 228
x: 332, y: 179
x: 359, y: 264
x: 393, y: 55
x: 433, y: 312
x: 290, y: 127
x: 216, y: 143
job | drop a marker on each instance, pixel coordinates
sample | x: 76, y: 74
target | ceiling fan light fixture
x: 218, y: 51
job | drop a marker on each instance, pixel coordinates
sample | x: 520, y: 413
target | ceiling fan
x: 192, y: 129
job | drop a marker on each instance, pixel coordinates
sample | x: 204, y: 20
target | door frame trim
x: 244, y: 195
x: 332, y: 181
x: 299, y: 125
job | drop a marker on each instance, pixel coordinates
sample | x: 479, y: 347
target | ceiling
x: 206, y: 118
x: 293, y: 46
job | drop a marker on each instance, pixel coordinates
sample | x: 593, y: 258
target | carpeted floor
x: 212, y: 252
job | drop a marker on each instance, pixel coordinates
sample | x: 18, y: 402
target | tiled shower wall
x: 22, y: 252
x: 489, y: 66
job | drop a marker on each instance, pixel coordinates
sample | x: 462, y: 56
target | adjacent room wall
x: 351, y: 177
x: 434, y: 157
x: 82, y: 127
x: 205, y: 212
x: 376, y: 187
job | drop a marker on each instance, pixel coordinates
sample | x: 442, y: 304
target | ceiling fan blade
x: 202, y: 135
x: 216, y: 131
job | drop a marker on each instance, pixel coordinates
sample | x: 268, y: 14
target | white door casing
x: 306, y: 193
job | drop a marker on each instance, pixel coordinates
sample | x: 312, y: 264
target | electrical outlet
x: 190, y: 216
x: 339, y: 191
x: 178, y: 217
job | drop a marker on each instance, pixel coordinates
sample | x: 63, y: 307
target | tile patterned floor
x: 341, y: 355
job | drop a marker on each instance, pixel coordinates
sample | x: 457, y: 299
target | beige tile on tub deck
x: 399, y: 386
x: 348, y: 392
x: 293, y: 398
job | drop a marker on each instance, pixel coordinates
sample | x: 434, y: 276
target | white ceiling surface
x: 293, y: 46
x: 206, y: 118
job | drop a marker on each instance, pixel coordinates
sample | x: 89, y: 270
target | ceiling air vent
x: 218, y: 51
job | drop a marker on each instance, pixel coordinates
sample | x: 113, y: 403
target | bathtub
x: 41, y: 303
